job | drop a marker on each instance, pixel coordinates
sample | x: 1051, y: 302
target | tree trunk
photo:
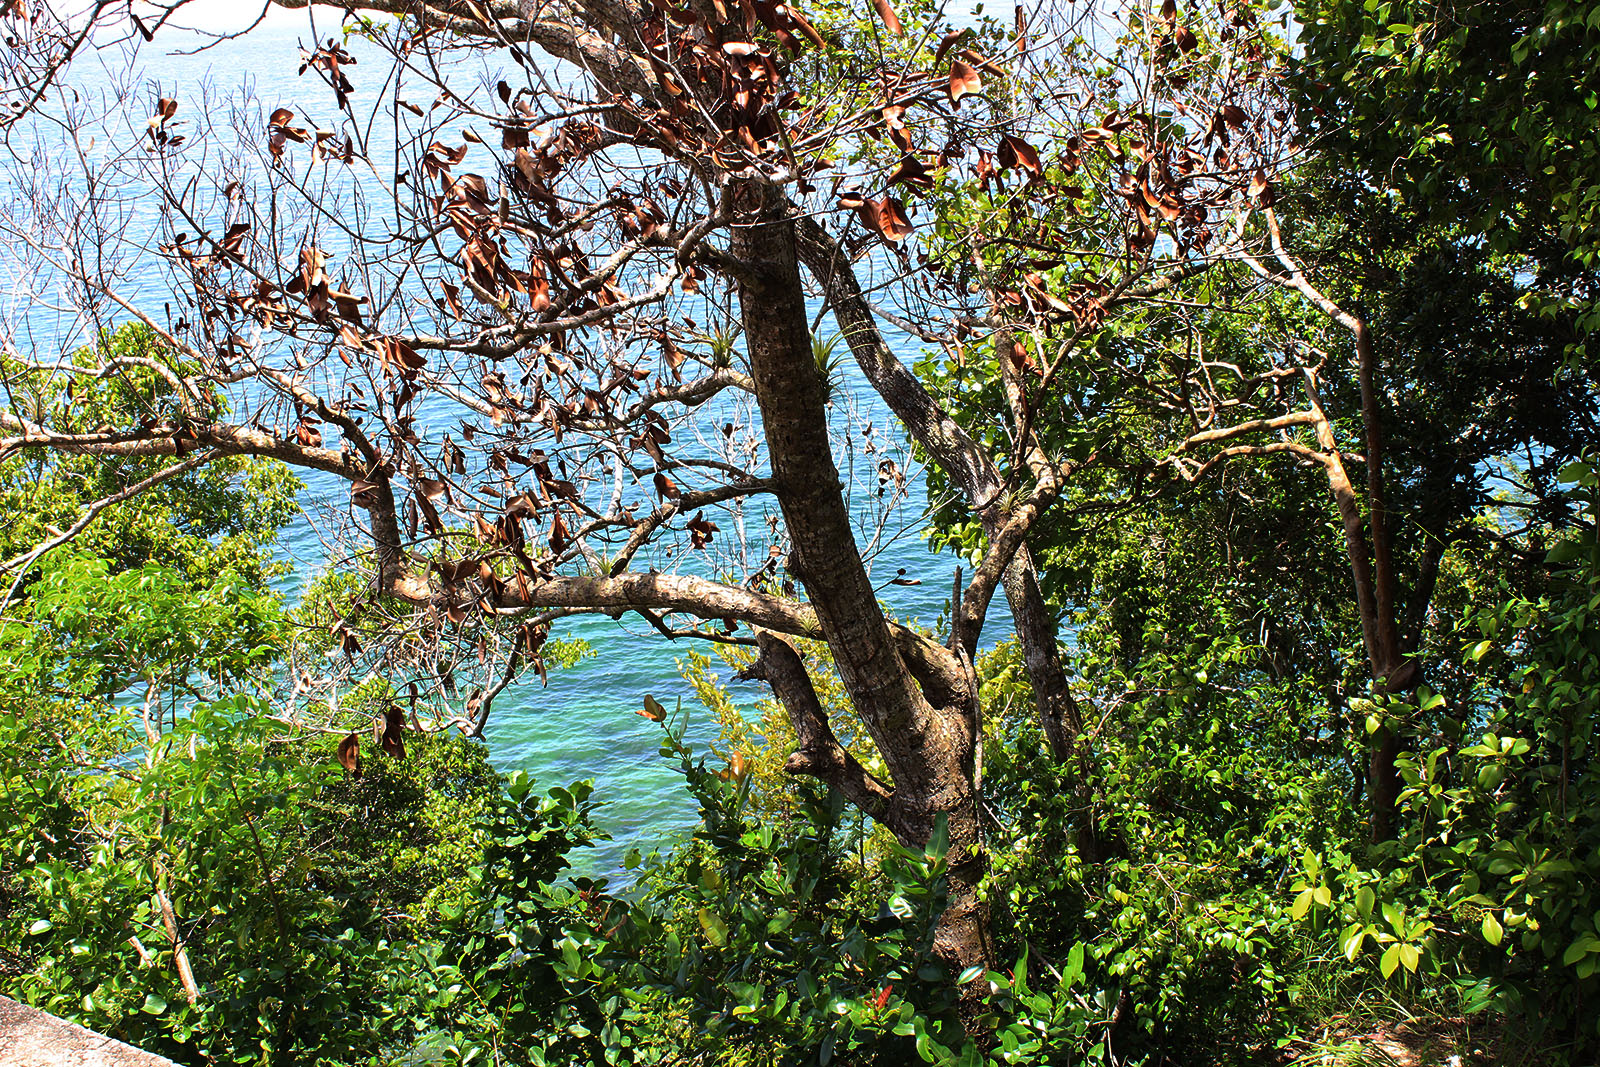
x: 921, y: 711
x: 967, y: 464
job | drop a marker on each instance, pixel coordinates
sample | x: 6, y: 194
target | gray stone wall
x: 32, y: 1038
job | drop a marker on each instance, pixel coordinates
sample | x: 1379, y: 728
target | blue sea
x: 583, y: 724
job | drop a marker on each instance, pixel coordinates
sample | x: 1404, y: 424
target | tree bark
x: 1371, y: 561
x: 966, y: 463
x: 922, y: 716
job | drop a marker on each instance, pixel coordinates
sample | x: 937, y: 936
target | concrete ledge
x: 32, y: 1038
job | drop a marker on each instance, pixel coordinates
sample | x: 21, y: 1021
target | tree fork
x: 927, y: 744
x: 966, y: 462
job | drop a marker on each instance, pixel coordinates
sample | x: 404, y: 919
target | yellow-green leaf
x: 716, y: 930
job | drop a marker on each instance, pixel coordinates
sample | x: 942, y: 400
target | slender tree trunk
x: 1379, y: 627
x: 1372, y: 564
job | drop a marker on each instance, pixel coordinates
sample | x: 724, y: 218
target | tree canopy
x: 1244, y: 349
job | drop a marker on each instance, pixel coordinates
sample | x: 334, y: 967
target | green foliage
x: 218, y: 517
x: 415, y: 828
x: 1198, y: 887
x: 513, y: 967
x: 93, y: 634
x: 149, y: 815
x: 218, y: 805
x: 772, y: 937
x: 1478, y: 113
x: 785, y: 928
x: 1183, y: 922
x: 765, y: 937
x: 1501, y: 855
x: 325, y: 920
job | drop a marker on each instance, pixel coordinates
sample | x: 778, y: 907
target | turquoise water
x: 583, y: 725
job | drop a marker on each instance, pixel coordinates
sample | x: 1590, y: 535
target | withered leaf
x: 889, y: 218
x: 453, y: 571
x: 363, y: 494
x: 948, y: 41
x: 1042, y: 290
x: 912, y: 172
x: 804, y: 26
x: 560, y: 536
x: 963, y: 80
x: 1260, y: 187
x: 1015, y: 152
x: 430, y: 514
x: 852, y: 199
x: 347, y: 638
x: 701, y: 529
x: 391, y: 732
x: 532, y: 636
x: 652, y: 709
x: 350, y: 754
x: 400, y: 358
x: 1021, y: 358
x: 486, y: 531
x: 978, y: 60
x: 891, y: 21
x: 307, y: 434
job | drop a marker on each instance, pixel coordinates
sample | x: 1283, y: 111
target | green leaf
x: 154, y: 1004
x: 939, y: 840
x: 1492, y: 930
x: 747, y: 995
x: 1074, y: 968
x: 1409, y: 957
x: 716, y: 930
x: 1302, y: 904
x: 1390, y: 961
x: 1351, y: 940
x: 1577, y: 474
x: 1365, y: 899
x: 1579, y: 949
x: 39, y: 926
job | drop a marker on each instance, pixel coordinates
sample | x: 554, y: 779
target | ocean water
x: 583, y: 724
